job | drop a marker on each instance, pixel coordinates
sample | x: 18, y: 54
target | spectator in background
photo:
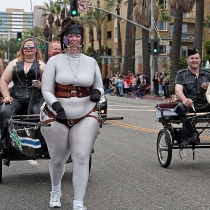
x: 160, y: 84
x: 141, y: 91
x: 134, y: 83
x: 146, y: 79
x: 120, y: 82
x: 106, y: 82
x: 141, y: 78
x: 127, y: 85
x: 156, y: 86
x: 166, y: 85
x: 138, y: 82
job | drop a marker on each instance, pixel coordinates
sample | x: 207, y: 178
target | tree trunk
x: 129, y: 40
x: 91, y: 34
x: 99, y: 41
x: 50, y: 31
x: 133, y: 46
x: 176, y: 44
x: 119, y: 36
x: 145, y: 52
x: 45, y: 59
x: 198, y: 37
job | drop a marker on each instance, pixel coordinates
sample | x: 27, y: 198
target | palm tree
x: 63, y: 4
x: 128, y: 62
x: 198, y: 26
x: 179, y: 6
x: 99, y: 17
x: 117, y: 4
x: 46, y: 34
x: 142, y: 15
x: 57, y: 12
x: 49, y: 11
x: 89, y: 20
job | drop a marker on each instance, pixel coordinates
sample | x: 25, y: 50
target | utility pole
x: 152, y: 41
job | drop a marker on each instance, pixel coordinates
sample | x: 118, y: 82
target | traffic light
x: 74, y: 8
x: 149, y: 47
x: 19, y: 36
x: 156, y: 47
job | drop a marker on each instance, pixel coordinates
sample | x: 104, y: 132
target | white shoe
x: 80, y: 208
x: 137, y: 98
x: 55, y: 199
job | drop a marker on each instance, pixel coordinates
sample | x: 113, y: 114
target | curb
x: 155, y: 98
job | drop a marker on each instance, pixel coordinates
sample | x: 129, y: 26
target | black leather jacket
x: 192, y: 85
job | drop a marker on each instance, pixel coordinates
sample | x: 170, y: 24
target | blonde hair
x: 50, y: 44
x: 20, y: 55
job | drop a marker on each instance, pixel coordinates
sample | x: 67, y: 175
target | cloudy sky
x: 20, y: 4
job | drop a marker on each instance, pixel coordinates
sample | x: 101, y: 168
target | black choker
x: 28, y: 62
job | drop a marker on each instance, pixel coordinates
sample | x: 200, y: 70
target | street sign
x: 42, y: 47
x: 82, y: 6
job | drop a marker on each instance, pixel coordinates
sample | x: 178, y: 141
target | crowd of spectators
x: 124, y: 85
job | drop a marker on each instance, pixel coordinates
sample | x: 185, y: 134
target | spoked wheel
x: 164, y: 148
x: 0, y: 170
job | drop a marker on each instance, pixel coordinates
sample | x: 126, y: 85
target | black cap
x: 192, y: 51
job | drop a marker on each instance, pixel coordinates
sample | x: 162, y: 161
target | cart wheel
x: 164, y: 148
x: 0, y: 170
x: 90, y: 160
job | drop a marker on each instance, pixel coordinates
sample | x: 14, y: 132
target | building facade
x: 164, y: 30
x: 13, y: 21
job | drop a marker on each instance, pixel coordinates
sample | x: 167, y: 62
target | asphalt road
x: 125, y: 173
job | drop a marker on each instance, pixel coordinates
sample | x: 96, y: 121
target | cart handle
x: 113, y: 118
x: 30, y: 123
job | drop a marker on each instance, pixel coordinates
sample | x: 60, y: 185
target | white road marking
x: 129, y: 106
x: 33, y: 162
x: 138, y: 110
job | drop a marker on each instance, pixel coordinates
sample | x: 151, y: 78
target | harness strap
x: 70, y: 121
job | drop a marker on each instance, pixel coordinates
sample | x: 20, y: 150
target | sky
x: 20, y: 4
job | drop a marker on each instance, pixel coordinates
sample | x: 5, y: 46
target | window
x: 116, y: 51
x: 109, y: 51
x: 109, y: 34
x: 116, y: 32
x: 161, y: 26
x: 109, y: 17
x: 162, y: 49
x: 164, y: 3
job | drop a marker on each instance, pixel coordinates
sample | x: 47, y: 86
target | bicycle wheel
x: 164, y: 148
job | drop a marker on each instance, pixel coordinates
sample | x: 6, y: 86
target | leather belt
x: 68, y: 91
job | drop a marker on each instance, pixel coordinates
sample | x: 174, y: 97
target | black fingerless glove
x: 61, y: 115
x: 95, y: 95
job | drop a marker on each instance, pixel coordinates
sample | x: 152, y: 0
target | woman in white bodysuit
x: 71, y: 86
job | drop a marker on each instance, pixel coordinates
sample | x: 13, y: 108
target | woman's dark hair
x: 67, y: 22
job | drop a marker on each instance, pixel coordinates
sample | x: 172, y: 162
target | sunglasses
x: 28, y: 47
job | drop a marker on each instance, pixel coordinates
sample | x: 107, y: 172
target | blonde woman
x: 25, y: 72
